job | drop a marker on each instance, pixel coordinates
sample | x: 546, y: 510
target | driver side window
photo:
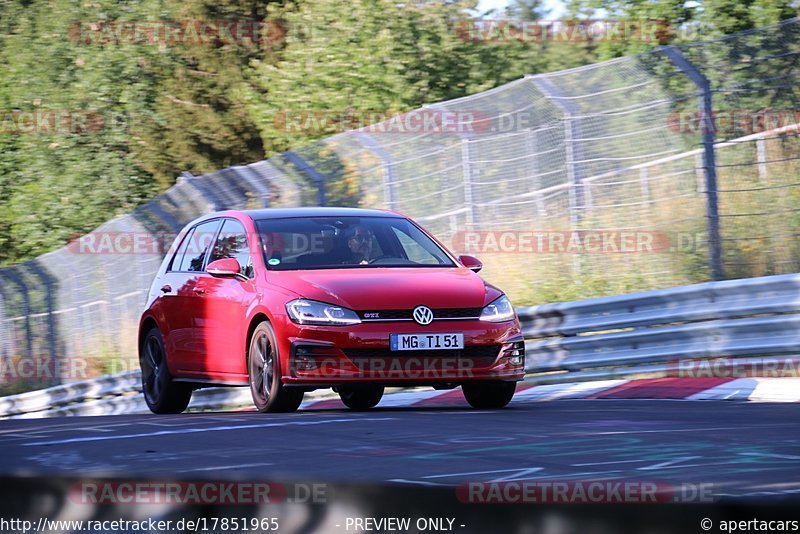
x: 232, y: 243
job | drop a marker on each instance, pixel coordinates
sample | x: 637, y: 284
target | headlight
x: 498, y: 311
x: 304, y: 311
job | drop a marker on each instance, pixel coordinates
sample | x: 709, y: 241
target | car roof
x: 283, y: 213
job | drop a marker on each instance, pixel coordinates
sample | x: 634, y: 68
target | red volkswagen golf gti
x: 291, y: 300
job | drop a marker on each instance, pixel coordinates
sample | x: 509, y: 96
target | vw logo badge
x: 423, y: 315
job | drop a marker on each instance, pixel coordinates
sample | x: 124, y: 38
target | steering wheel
x: 377, y: 258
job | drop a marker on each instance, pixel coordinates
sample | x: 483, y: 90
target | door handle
x: 166, y: 288
x: 198, y: 290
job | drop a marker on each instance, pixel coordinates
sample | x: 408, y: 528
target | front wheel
x: 263, y: 365
x: 161, y: 394
x: 489, y: 394
x: 360, y: 397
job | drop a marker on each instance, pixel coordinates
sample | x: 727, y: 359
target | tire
x: 263, y: 369
x: 489, y: 394
x: 162, y: 395
x: 360, y: 397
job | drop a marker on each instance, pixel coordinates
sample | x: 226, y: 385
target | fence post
x: 531, y: 145
x: 14, y: 277
x: 469, y: 200
x: 473, y: 219
x: 709, y: 158
x: 572, y: 148
x: 303, y: 166
x: 389, y: 191
x: 6, y: 335
x: 644, y: 181
x: 573, y: 155
x: 761, y: 155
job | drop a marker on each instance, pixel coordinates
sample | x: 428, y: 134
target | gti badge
x: 423, y: 315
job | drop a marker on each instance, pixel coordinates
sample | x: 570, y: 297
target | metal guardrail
x: 108, y: 395
x: 67, y: 394
x: 654, y: 331
x: 634, y: 334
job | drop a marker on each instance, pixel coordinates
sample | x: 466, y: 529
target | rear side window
x: 232, y: 243
x: 194, y: 249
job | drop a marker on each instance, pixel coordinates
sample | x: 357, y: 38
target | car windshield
x: 347, y: 242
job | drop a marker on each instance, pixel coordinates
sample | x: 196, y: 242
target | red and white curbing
x: 741, y: 389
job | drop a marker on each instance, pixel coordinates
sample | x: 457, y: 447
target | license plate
x: 426, y: 341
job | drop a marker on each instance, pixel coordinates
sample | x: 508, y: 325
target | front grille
x: 441, y: 313
x: 457, y: 313
x: 385, y: 315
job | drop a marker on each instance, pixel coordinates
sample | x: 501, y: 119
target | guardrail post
x: 709, y: 158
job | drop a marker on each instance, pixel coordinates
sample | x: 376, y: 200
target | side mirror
x: 225, y: 268
x: 470, y: 262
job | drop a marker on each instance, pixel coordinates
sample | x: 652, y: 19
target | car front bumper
x: 329, y: 356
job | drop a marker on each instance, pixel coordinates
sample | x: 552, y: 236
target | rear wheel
x: 489, y: 394
x: 360, y: 397
x: 161, y: 394
x: 264, y: 364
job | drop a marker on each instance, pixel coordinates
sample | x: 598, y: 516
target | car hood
x: 390, y: 288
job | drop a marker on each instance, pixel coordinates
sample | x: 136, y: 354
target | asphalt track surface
x: 743, y: 450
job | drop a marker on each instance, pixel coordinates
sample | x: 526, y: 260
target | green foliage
x: 376, y: 56
x: 157, y: 109
x: 683, y: 22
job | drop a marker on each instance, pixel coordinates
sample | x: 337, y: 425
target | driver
x: 359, y: 245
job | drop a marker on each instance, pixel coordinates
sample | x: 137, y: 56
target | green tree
x: 376, y: 56
x: 682, y: 22
x: 200, y: 123
x: 71, y: 178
